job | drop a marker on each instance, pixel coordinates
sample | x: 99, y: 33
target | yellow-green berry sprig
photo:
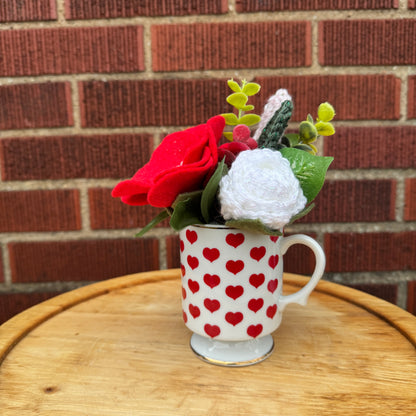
x: 238, y: 99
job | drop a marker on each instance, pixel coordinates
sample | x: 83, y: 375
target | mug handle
x: 301, y: 296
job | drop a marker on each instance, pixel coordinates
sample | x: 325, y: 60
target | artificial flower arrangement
x: 261, y: 179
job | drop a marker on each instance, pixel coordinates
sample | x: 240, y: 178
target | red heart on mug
x: 235, y: 240
x: 234, y: 318
x: 194, y: 311
x: 183, y: 293
x: 234, y: 267
x: 273, y: 261
x: 255, y: 304
x: 193, y: 285
x: 185, y: 318
x: 254, y: 330
x: 257, y: 253
x: 256, y: 280
x: 271, y: 311
x: 212, y: 304
x: 181, y: 245
x: 274, y: 238
x: 234, y: 292
x: 211, y: 254
x: 183, y: 271
x: 212, y: 330
x: 192, y: 236
x: 193, y: 262
x: 272, y: 285
x: 211, y: 280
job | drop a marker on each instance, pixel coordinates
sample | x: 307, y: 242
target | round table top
x: 119, y: 347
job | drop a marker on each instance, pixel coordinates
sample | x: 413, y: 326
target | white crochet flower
x: 261, y: 185
x: 273, y: 104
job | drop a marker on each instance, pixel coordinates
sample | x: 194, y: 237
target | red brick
x: 410, y: 202
x: 411, y: 4
x: 387, y: 292
x: 271, y: 45
x: 27, y: 10
x: 25, y: 106
x: 13, y: 303
x: 64, y: 157
x: 372, y: 147
x: 355, y: 97
x: 354, y: 201
x: 104, y: 9
x: 82, y: 260
x: 48, y: 210
x: 71, y: 50
x: 107, y: 212
x: 243, y: 6
x: 151, y: 102
x: 411, y: 297
x: 349, y: 252
x: 172, y: 252
x: 411, y: 94
x: 367, y: 42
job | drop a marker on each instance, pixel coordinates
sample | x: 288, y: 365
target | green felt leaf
x: 255, y: 226
x: 186, y: 211
x: 251, y: 88
x: 326, y: 112
x: 230, y: 119
x: 309, y: 169
x: 210, y: 191
x: 248, y: 107
x: 307, y: 131
x: 249, y: 119
x: 302, y: 213
x: 293, y: 138
x: 233, y: 85
x: 237, y: 100
x: 228, y: 135
x: 324, y: 128
x: 310, y: 119
x: 159, y: 218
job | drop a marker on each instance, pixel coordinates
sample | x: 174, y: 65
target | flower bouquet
x: 261, y: 179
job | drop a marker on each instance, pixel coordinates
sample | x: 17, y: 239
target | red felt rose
x: 181, y: 163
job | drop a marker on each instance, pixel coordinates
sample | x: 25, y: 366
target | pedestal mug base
x: 232, y: 353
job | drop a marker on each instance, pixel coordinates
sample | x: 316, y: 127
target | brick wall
x: 88, y: 88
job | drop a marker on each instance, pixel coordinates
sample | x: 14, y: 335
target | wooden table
x: 119, y: 347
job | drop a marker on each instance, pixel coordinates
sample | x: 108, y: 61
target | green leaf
x: 233, y: 85
x: 228, y: 135
x: 248, y: 107
x: 325, y: 128
x: 307, y: 131
x: 186, y: 211
x: 230, y: 119
x: 326, y: 112
x: 255, y: 226
x: 309, y: 169
x: 210, y: 191
x: 249, y: 119
x: 159, y: 218
x: 302, y: 213
x: 310, y: 119
x: 251, y: 88
x: 237, y: 100
x: 293, y: 138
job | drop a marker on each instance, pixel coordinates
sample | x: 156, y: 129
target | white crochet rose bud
x: 261, y: 185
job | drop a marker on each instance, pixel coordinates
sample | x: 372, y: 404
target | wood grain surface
x: 120, y: 347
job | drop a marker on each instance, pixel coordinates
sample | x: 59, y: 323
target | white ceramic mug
x: 232, y: 290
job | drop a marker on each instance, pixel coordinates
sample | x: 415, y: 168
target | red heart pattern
x: 212, y: 330
x: 211, y: 254
x: 274, y: 238
x: 234, y: 267
x: 256, y: 280
x: 181, y: 245
x: 272, y: 285
x: 191, y: 236
x: 185, y: 318
x: 212, y: 304
x: 254, y: 330
x: 212, y: 280
x: 183, y: 293
x: 193, y: 262
x: 255, y: 304
x: 183, y: 270
x: 234, y: 318
x: 194, y: 311
x: 257, y: 253
x: 271, y: 311
x: 235, y: 240
x: 193, y: 285
x: 273, y: 261
x: 234, y: 292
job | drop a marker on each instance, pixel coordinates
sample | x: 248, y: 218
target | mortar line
x: 7, y: 274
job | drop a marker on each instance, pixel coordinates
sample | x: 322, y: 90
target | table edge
x: 16, y: 328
